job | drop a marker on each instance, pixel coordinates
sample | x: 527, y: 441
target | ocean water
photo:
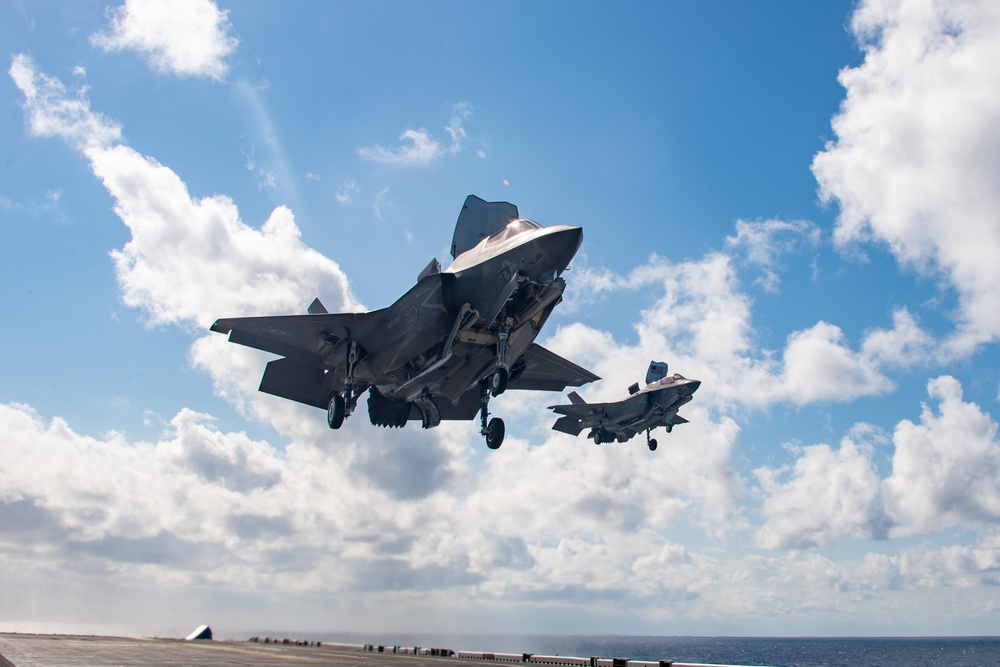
x: 798, y: 652
x: 776, y: 651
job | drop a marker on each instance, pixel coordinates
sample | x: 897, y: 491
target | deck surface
x: 24, y: 650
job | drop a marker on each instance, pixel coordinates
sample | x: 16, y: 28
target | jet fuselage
x: 454, y: 339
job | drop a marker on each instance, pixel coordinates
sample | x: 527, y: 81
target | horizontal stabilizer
x: 317, y: 307
x: 575, y: 398
x: 304, y: 337
x: 569, y: 425
x: 296, y: 381
x: 678, y: 420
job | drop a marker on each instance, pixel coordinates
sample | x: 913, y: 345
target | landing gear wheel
x: 669, y: 427
x: 495, y: 433
x: 335, y: 411
x: 498, y: 383
x: 652, y: 445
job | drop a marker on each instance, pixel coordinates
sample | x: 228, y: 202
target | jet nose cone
x: 692, y: 386
x: 560, y: 245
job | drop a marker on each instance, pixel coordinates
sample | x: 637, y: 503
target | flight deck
x: 30, y: 650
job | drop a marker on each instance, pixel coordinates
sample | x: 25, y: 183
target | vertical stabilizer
x: 478, y: 220
x: 657, y: 371
x: 575, y: 398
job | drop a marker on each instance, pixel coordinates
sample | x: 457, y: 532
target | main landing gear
x: 336, y: 411
x: 650, y: 442
x: 498, y: 382
x: 342, y: 405
x: 493, y: 431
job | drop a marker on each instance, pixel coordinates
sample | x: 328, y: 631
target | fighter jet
x: 654, y: 405
x: 456, y: 338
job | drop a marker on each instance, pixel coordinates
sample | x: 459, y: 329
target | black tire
x: 335, y: 411
x: 495, y: 433
x: 498, y: 383
x: 652, y: 445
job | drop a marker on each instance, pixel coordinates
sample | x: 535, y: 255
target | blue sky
x: 792, y: 202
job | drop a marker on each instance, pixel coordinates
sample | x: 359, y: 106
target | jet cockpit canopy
x: 513, y: 228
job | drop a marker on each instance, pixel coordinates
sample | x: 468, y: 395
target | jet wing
x: 304, y: 338
x: 539, y: 369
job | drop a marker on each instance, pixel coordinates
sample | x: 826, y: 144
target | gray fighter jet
x: 455, y: 339
x: 654, y: 405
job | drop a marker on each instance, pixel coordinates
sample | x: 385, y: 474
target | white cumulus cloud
x: 945, y: 469
x: 828, y: 495
x: 703, y: 322
x: 182, y: 37
x: 369, y: 513
x: 378, y: 524
x: 944, y: 473
x: 917, y: 155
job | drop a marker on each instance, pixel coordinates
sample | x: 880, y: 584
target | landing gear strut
x: 493, y: 431
x: 498, y: 383
x: 650, y: 442
x: 352, y: 358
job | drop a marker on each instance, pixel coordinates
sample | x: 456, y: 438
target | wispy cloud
x: 763, y: 242
x: 51, y: 111
x: 51, y: 205
x: 345, y: 193
x: 417, y: 149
